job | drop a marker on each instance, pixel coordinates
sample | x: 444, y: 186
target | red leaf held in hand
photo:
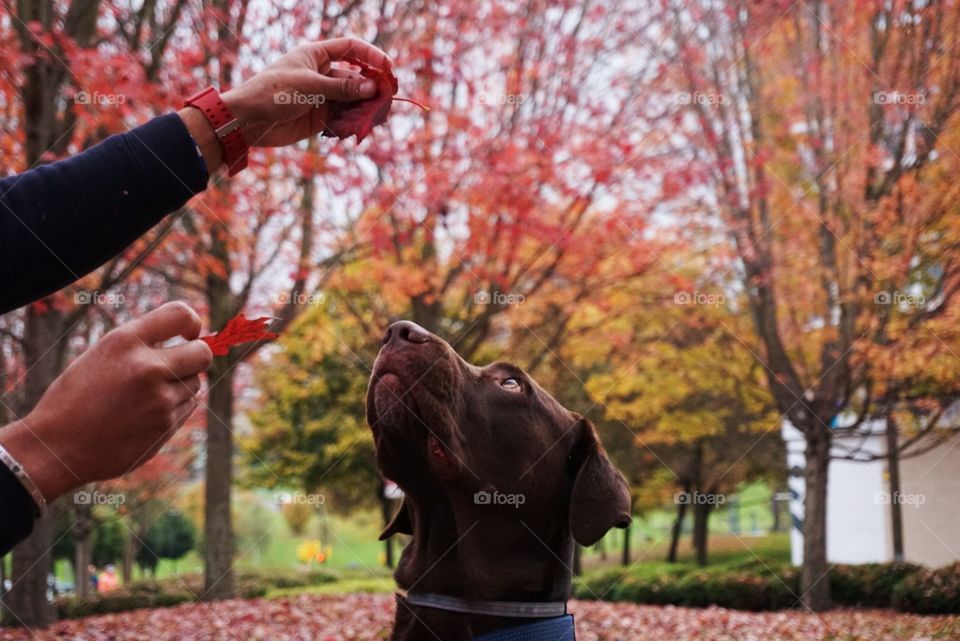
x: 239, y: 330
x: 359, y: 118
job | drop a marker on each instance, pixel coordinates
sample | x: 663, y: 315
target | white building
x: 858, y: 500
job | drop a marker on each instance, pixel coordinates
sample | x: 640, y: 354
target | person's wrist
x: 202, y: 133
x: 24, y: 441
x: 245, y: 113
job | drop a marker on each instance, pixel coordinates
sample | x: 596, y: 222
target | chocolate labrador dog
x: 499, y: 481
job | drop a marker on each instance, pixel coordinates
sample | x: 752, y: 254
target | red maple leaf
x: 359, y: 118
x: 239, y: 330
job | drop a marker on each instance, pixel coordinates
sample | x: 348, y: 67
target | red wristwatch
x: 225, y: 126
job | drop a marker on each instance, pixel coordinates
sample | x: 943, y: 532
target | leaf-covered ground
x: 367, y: 616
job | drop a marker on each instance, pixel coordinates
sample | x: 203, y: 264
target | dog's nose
x: 405, y: 332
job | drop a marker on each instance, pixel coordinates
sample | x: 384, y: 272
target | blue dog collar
x: 555, y: 629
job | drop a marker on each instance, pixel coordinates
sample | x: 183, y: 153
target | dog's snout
x: 405, y: 332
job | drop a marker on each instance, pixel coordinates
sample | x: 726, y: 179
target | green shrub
x: 869, y: 585
x: 930, y: 591
x: 757, y: 585
x: 183, y: 589
x: 118, y: 601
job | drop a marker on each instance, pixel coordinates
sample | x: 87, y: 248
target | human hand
x: 115, y: 406
x: 289, y: 100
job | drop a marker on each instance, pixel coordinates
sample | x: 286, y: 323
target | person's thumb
x: 169, y: 320
x: 340, y: 89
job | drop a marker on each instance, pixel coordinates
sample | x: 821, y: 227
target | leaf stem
x: 413, y: 102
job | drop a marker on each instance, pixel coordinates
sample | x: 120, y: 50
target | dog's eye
x: 512, y: 384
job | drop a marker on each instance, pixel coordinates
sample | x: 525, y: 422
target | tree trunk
x: 218, y: 521
x: 83, y: 547
x: 814, y: 583
x: 129, y: 554
x: 893, y: 470
x: 44, y: 347
x: 699, y: 503
x: 625, y: 558
x: 678, y: 525
x: 701, y: 520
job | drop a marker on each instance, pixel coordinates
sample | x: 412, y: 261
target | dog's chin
x: 390, y: 409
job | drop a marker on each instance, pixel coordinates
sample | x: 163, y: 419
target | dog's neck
x: 494, y: 558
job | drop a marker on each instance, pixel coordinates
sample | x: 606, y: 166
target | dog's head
x: 488, y: 439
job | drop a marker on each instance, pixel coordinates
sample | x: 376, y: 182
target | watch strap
x: 225, y: 125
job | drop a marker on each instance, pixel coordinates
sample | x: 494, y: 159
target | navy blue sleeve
x: 61, y: 221
x: 16, y: 511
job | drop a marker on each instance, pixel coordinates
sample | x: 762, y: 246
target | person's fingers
x: 184, y: 390
x: 341, y: 72
x: 343, y: 89
x: 340, y: 48
x: 187, y: 359
x: 165, y: 322
x: 182, y: 412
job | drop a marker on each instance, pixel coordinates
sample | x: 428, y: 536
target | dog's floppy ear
x: 600, y: 498
x: 399, y: 524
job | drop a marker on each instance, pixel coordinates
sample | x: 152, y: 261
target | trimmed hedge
x: 754, y: 585
x: 183, y: 589
x: 930, y: 591
x: 870, y: 585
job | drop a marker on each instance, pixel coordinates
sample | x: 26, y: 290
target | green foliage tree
x: 109, y: 540
x: 692, y: 394
x: 172, y: 536
x: 311, y: 429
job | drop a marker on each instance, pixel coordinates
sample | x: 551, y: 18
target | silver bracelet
x: 25, y: 480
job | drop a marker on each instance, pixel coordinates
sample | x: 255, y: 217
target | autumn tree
x: 514, y: 200
x: 59, y: 97
x: 823, y: 131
